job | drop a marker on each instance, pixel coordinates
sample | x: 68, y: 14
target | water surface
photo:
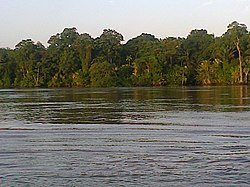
x: 194, y: 136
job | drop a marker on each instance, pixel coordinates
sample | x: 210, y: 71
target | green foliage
x: 7, y: 68
x: 80, y: 79
x: 78, y: 60
x: 124, y: 75
x: 102, y: 74
x: 28, y: 57
x: 108, y: 46
x: 177, y: 75
x: 147, y: 71
x: 84, y: 45
x: 204, y: 73
x: 68, y: 65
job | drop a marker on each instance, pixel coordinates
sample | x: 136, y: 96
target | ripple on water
x: 126, y: 137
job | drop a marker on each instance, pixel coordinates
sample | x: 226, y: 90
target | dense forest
x: 78, y: 60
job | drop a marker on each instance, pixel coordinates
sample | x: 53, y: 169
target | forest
x: 78, y: 60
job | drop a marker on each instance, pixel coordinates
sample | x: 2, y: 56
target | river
x: 191, y: 136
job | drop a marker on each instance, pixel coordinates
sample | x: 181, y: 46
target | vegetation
x: 78, y: 60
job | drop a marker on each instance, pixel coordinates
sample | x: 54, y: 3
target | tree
x: 74, y: 59
x: 147, y: 56
x: 147, y: 71
x: 102, y: 73
x: 28, y: 57
x: 177, y: 75
x: 203, y: 73
x: 84, y: 45
x: 109, y: 46
x: 64, y: 39
x: 124, y: 75
x: 67, y: 57
x: 7, y: 68
x: 195, y: 49
x: 69, y: 63
x: 143, y: 45
x: 170, y: 49
x: 235, y: 32
x: 247, y: 59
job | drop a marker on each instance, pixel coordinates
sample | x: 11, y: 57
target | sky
x: 40, y: 19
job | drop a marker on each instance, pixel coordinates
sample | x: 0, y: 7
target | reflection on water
x: 195, y: 136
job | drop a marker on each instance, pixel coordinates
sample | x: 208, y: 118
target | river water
x: 193, y: 136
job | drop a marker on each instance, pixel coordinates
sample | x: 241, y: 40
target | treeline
x: 78, y: 60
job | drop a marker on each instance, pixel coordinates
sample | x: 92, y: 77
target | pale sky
x: 40, y: 19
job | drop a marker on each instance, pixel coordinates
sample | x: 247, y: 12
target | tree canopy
x: 75, y: 59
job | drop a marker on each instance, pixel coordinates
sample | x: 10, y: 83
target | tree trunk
x: 37, y: 77
x: 240, y: 60
x: 86, y: 59
x: 246, y: 71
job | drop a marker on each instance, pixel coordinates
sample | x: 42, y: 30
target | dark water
x: 197, y: 136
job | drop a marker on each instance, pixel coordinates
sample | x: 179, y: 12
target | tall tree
x: 64, y: 39
x: 84, y: 45
x: 7, y: 68
x: 102, y: 73
x: 146, y: 55
x: 109, y: 46
x: 143, y: 45
x: 235, y: 32
x: 28, y: 57
x: 64, y: 58
x: 195, y: 49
